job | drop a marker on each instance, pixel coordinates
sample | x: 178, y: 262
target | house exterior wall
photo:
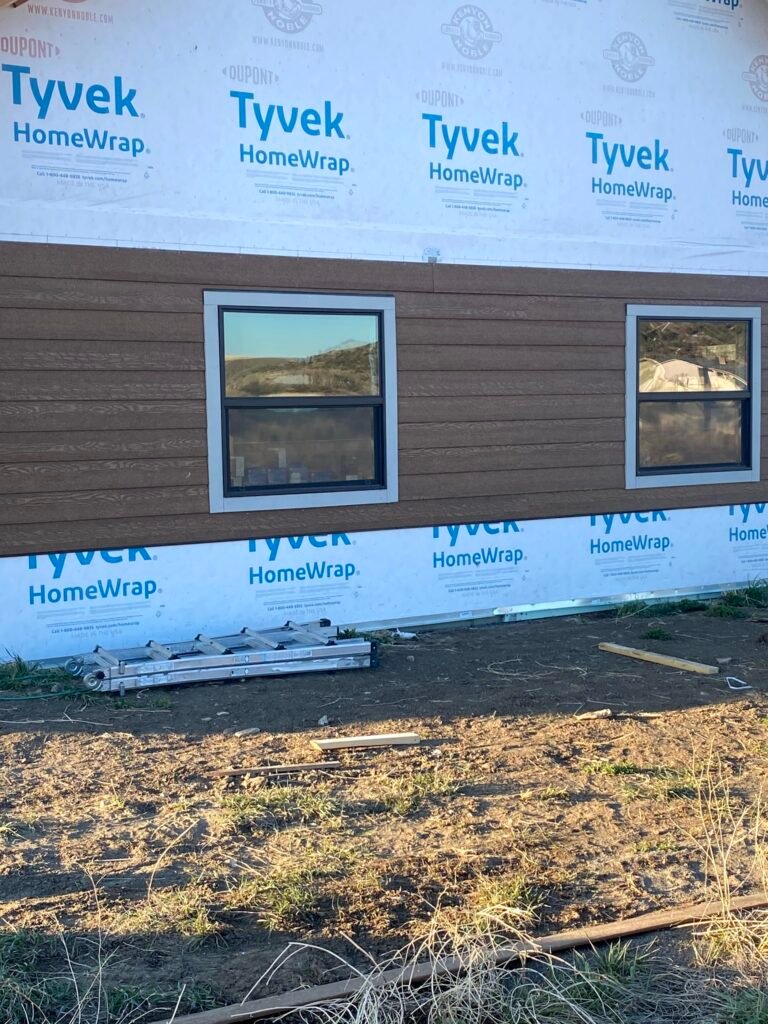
x: 510, y: 392
x: 513, y: 175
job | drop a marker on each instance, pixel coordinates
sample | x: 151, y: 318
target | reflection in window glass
x: 301, y: 446
x: 690, y: 433
x: 692, y: 355
x: 271, y: 354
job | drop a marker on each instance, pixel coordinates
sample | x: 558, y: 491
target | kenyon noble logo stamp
x: 471, y: 31
x: 629, y: 57
x: 289, y: 15
x: 757, y: 76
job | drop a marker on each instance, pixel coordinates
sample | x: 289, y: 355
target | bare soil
x: 114, y: 831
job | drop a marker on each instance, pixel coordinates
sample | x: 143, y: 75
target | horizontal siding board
x: 509, y: 307
x: 224, y: 270
x: 511, y: 482
x: 70, y: 293
x: 444, y: 332
x: 219, y: 270
x: 630, y: 286
x: 102, y: 445
x: 457, y: 410
x: 414, y: 436
x: 516, y: 432
x: 471, y: 383
x: 21, y: 386
x: 37, y: 324
x: 117, y: 504
x: 93, y: 356
x: 97, y: 415
x: 193, y: 526
x: 506, y: 457
x: 509, y: 357
x: 65, y: 477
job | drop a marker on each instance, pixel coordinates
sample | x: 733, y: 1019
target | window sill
x: 739, y: 476
x: 322, y: 499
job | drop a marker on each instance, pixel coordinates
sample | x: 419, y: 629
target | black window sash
x: 338, y: 401
x: 745, y: 397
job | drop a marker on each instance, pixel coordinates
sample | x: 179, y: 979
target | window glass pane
x: 690, y: 433
x: 693, y: 355
x: 290, y: 447
x: 271, y: 354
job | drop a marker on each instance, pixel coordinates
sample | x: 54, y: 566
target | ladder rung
x: 312, y: 635
x: 259, y: 640
x: 207, y: 645
x: 158, y: 652
x: 105, y: 657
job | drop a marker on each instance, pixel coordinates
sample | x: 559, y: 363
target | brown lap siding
x: 510, y: 382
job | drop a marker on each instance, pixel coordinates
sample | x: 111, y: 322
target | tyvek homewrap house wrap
x: 380, y: 313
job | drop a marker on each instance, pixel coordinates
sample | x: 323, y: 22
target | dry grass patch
x: 181, y: 910
x: 275, y: 806
x: 503, y: 903
x: 405, y: 794
x: 295, y: 889
x: 54, y: 979
x: 731, y: 827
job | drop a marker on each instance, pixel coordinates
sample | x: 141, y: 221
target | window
x: 693, y: 395
x: 302, y: 407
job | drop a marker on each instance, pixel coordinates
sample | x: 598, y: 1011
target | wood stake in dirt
x: 418, y: 974
x: 396, y: 739
x: 277, y: 769
x: 660, y: 659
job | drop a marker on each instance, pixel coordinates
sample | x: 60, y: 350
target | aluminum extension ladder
x: 292, y: 648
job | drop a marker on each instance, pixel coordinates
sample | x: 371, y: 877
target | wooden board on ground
x: 396, y: 739
x: 660, y: 659
x: 420, y: 973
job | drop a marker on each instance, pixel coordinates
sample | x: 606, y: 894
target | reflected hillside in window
x: 277, y: 355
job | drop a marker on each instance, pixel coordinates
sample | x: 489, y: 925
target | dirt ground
x: 117, y: 838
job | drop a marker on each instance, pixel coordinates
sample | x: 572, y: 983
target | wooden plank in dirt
x: 397, y: 739
x: 660, y: 659
x: 418, y: 974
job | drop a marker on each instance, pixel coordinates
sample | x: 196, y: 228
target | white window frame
x: 385, y: 306
x: 685, y: 478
